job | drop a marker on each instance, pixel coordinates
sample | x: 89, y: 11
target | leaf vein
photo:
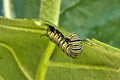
x: 17, y: 60
x: 90, y: 67
x: 1, y: 78
x: 24, y: 29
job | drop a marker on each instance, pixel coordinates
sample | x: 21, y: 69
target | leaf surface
x: 22, y: 48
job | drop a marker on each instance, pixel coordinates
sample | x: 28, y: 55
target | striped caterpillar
x: 71, y: 46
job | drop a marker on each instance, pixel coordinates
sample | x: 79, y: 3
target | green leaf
x: 25, y: 55
x: 21, y: 47
x: 98, y: 61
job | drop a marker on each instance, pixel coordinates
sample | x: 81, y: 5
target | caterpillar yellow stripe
x: 70, y: 45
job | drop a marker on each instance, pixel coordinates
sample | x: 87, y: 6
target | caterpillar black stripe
x: 71, y: 46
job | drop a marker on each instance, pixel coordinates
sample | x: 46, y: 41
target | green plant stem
x: 8, y: 8
x: 50, y: 10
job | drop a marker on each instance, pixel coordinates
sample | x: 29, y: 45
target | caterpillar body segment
x: 70, y: 45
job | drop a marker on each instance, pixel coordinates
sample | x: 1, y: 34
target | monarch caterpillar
x: 71, y: 46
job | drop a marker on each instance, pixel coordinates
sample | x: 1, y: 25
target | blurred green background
x: 99, y: 19
x: 1, y: 8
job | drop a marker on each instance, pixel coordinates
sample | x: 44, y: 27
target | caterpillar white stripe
x: 71, y: 46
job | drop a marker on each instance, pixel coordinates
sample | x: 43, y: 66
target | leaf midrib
x: 81, y: 66
x: 12, y: 51
x: 23, y: 29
